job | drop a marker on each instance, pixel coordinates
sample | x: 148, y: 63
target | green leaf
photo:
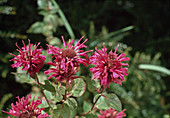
x: 42, y: 4
x: 86, y: 106
x: 122, y: 30
x: 48, y: 86
x: 116, y: 34
x: 4, y: 99
x: 55, y: 41
x: 37, y: 27
x: 101, y: 103
x: 8, y: 10
x: 57, y: 97
x: 155, y: 68
x: 23, y: 78
x: 62, y: 111
x: 61, y: 14
x: 48, y: 94
x: 4, y: 73
x: 52, y: 19
x: 46, y: 109
x: 35, y: 96
x: 62, y: 89
x: 48, y: 57
x: 121, y: 91
x: 108, y: 101
x: 78, y: 88
x: 92, y: 84
x: 113, y: 101
x: 72, y: 103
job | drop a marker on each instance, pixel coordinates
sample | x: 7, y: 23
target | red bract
x: 31, y: 60
x: 26, y: 109
x: 67, y: 60
x: 111, y: 113
x: 108, y: 67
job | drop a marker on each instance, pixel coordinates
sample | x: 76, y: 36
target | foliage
x: 143, y: 84
x: 52, y: 18
x: 7, y: 9
x: 142, y: 91
x: 4, y: 100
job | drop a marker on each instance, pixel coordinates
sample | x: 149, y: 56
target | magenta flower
x: 67, y: 60
x: 32, y: 61
x: 108, y: 67
x: 59, y: 73
x: 111, y: 113
x: 26, y: 109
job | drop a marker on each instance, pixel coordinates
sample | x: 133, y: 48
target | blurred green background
x: 141, y: 27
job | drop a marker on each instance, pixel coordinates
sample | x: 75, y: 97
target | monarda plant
x: 60, y: 92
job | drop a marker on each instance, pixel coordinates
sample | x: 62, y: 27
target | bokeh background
x: 141, y: 27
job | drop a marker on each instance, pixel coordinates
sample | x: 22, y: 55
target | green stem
x: 100, y: 94
x: 67, y: 25
x: 36, y: 77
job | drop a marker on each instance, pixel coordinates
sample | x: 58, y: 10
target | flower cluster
x: 31, y: 60
x: 108, y: 67
x: 111, y: 113
x: 26, y: 109
x: 67, y: 60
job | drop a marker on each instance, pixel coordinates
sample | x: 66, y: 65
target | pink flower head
x: 108, y: 67
x: 26, y: 109
x: 111, y: 113
x: 59, y: 73
x: 31, y: 61
x: 67, y: 60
